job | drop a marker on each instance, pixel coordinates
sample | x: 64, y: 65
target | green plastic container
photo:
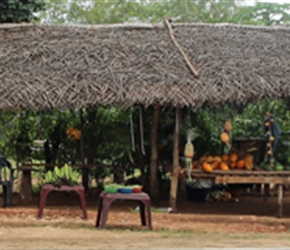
x: 111, y: 189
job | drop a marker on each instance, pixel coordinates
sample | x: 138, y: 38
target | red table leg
x: 46, y: 189
x: 107, y: 199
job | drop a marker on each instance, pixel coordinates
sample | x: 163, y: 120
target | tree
x: 16, y: 11
x: 209, y: 11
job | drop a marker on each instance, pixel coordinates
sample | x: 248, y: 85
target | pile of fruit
x: 233, y: 160
x: 73, y: 133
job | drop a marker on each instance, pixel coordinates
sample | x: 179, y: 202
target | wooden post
x: 175, y: 167
x: 265, y: 199
x: 26, y: 187
x: 154, y: 156
x: 85, y: 171
x: 280, y: 201
x: 140, y: 153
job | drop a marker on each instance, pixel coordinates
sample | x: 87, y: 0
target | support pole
x: 265, y: 198
x: 85, y: 171
x: 175, y: 167
x: 280, y: 201
x: 154, y: 156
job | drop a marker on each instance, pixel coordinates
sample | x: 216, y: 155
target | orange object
x: 241, y: 164
x: 207, y: 167
x: 224, y: 166
x: 233, y: 164
x: 234, y: 157
x: 215, y: 165
x: 225, y: 158
x: 228, y: 126
x: 225, y: 137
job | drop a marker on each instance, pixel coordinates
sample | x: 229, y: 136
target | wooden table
x: 106, y: 199
x: 279, y: 178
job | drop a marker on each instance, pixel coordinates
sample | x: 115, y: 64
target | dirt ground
x: 194, y: 225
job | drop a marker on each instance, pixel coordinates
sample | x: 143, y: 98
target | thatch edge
x: 147, y: 26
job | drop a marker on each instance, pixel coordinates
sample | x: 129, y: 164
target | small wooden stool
x: 47, y: 188
x: 106, y: 199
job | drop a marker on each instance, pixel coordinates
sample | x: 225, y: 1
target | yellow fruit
x: 189, y: 150
x: 224, y: 166
x: 228, y: 126
x: 209, y: 158
x: 215, y: 165
x: 241, y: 164
x: 269, y: 152
x: 234, y: 157
x: 69, y: 130
x: 272, y: 138
x: 225, y: 137
x: 207, y: 167
x: 233, y: 164
x: 225, y: 158
x: 248, y: 159
x: 217, y: 159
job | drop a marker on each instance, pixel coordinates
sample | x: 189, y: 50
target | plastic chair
x: 6, y: 180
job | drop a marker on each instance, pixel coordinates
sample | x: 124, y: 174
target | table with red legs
x: 47, y: 188
x: 106, y: 199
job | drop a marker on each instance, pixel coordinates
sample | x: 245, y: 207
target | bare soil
x: 194, y: 225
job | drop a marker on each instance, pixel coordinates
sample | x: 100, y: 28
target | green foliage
x: 208, y: 11
x: 15, y: 11
x: 265, y: 13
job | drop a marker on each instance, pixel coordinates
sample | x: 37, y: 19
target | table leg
x: 4, y: 195
x: 82, y: 196
x: 9, y: 194
x: 280, y: 201
x: 142, y: 214
x: 265, y: 198
x: 43, y: 196
x: 148, y: 211
x: 100, y: 208
x: 105, y: 211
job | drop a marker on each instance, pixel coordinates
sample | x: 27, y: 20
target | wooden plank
x: 250, y: 180
x: 196, y: 172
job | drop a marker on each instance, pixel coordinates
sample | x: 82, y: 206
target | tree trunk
x: 154, y: 156
x: 118, y: 174
x: 175, y: 167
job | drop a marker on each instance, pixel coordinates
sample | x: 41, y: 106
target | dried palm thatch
x: 57, y: 66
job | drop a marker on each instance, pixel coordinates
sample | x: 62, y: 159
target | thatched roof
x: 57, y: 66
